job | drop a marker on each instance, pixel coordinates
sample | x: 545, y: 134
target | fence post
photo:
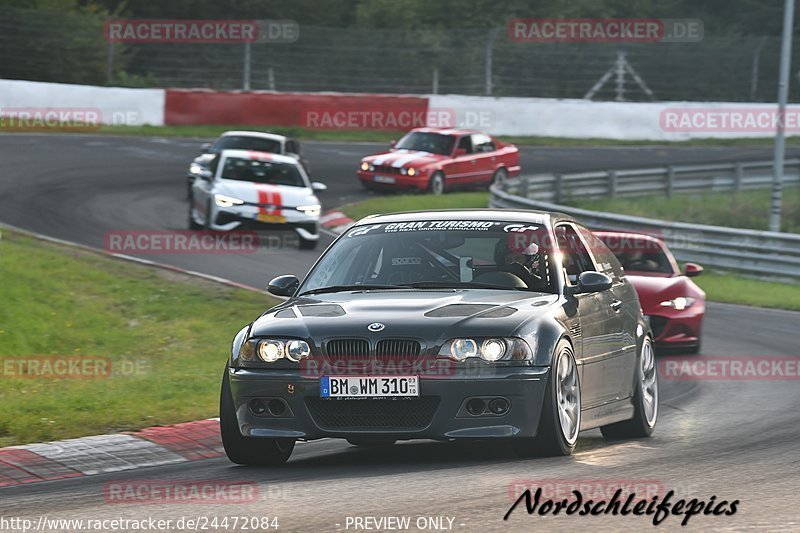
x: 612, y: 184
x: 488, y: 62
x: 738, y: 174
x: 271, y: 78
x: 110, y: 62
x: 524, y: 186
x: 435, y: 88
x: 246, y: 68
x: 670, y: 180
x: 559, y: 189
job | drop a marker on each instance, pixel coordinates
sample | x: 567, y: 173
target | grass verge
x: 719, y: 286
x: 164, y: 337
x: 210, y: 131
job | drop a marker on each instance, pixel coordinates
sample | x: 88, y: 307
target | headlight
x: 680, y: 303
x: 226, y: 201
x: 194, y: 168
x: 412, y: 171
x: 310, y: 210
x: 493, y: 349
x: 270, y: 350
x: 488, y: 349
x: 296, y: 350
x: 366, y: 166
x: 460, y: 349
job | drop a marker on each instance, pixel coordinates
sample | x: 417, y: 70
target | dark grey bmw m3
x: 517, y: 326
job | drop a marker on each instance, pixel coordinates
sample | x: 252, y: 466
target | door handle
x: 616, y: 305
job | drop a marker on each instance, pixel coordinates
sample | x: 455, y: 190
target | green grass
x: 749, y: 209
x: 414, y: 202
x: 719, y: 286
x: 167, y: 336
x: 210, y: 131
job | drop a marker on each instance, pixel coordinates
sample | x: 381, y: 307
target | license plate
x: 384, y: 179
x: 264, y: 217
x: 368, y: 386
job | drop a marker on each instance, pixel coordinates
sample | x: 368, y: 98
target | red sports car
x: 438, y: 159
x: 674, y: 304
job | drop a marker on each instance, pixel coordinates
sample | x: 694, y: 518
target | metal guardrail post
x: 524, y: 186
x: 738, y: 172
x: 670, y: 180
x: 612, y: 183
x: 559, y: 188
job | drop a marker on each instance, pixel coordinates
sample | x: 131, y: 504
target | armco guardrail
x: 762, y: 253
x: 667, y: 180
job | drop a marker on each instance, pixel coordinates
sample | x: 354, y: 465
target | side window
x: 607, y: 262
x: 576, y: 258
x: 292, y: 147
x: 483, y: 143
x: 466, y: 143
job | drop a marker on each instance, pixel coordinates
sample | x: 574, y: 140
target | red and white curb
x: 336, y: 221
x: 86, y: 456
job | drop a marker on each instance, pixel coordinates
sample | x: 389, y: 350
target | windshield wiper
x: 458, y: 285
x: 342, y: 288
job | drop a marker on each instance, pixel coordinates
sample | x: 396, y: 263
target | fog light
x: 476, y: 406
x: 499, y: 406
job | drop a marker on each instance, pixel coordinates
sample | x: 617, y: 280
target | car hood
x: 204, y: 159
x: 266, y: 194
x: 405, y: 158
x: 427, y: 314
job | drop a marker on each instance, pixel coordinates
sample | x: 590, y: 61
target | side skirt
x: 608, y: 413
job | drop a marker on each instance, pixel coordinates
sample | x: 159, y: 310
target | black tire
x: 639, y: 426
x: 247, y: 450
x: 371, y: 443
x: 192, y: 224
x: 306, y: 244
x: 207, y: 221
x: 436, y: 185
x: 500, y: 175
x: 550, y: 439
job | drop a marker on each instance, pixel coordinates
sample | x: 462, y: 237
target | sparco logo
x: 406, y: 261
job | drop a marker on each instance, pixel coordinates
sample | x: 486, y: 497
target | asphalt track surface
x: 730, y: 439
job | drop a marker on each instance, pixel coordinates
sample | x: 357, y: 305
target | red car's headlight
x: 680, y: 303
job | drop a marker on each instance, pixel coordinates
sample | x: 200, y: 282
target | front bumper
x: 437, y: 414
x: 678, y: 329
x: 245, y: 219
x: 383, y: 181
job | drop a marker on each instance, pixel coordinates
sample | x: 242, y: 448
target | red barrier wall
x: 307, y: 110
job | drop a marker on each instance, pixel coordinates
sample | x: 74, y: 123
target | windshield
x: 241, y: 169
x: 244, y: 142
x: 640, y: 255
x: 442, y: 253
x: 434, y: 143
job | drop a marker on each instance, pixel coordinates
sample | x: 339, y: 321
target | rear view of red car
x: 673, y: 303
x: 439, y: 159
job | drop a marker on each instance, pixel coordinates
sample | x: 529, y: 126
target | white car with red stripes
x: 248, y: 190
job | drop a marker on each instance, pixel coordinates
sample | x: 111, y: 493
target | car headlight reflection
x: 270, y: 350
x: 226, y: 201
x: 489, y: 349
x: 296, y: 350
x: 367, y: 166
x: 680, y: 303
x: 256, y: 352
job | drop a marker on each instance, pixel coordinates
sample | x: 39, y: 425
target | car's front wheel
x: 247, y: 450
x: 193, y: 225
x: 560, y: 421
x: 500, y: 176
x: 307, y: 244
x: 436, y: 184
x: 645, y: 399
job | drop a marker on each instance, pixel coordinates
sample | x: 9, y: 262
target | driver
x: 526, y: 263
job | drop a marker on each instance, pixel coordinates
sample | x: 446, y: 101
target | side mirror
x: 692, y: 269
x: 459, y: 152
x: 318, y: 186
x: 591, y: 281
x: 205, y: 148
x: 392, y: 143
x: 283, y: 285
